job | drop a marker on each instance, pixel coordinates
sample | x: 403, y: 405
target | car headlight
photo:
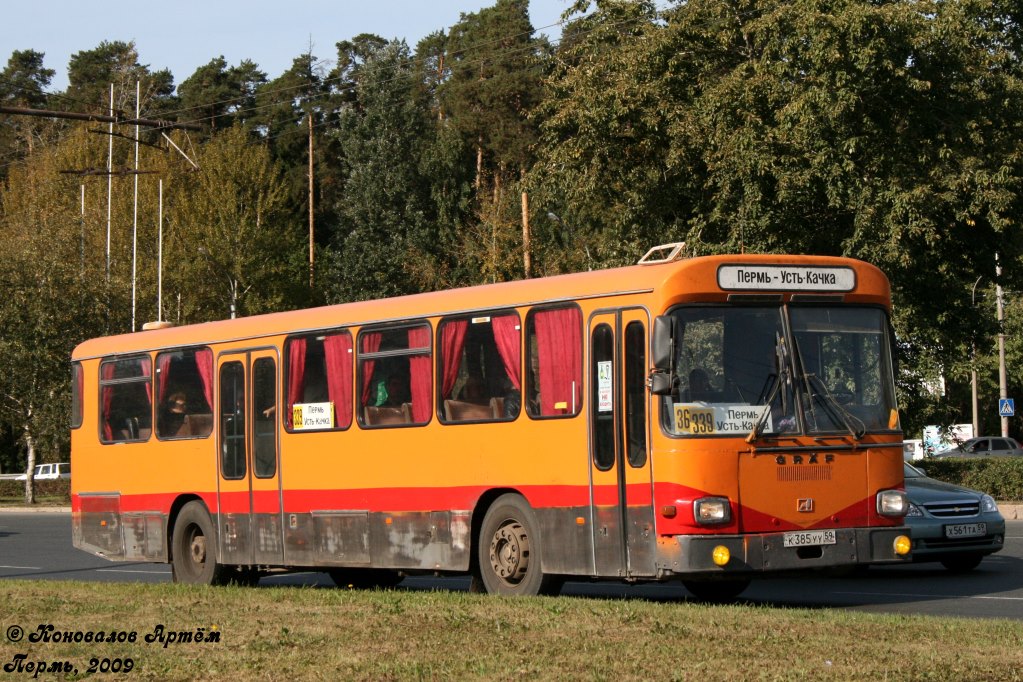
x: 712, y: 510
x: 892, y: 503
x: 988, y: 504
x: 913, y: 511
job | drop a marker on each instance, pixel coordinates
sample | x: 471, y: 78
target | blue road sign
x: 1006, y: 407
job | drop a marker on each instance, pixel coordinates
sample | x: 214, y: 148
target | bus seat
x: 497, y: 408
x: 459, y: 410
x: 378, y: 416
x: 197, y: 425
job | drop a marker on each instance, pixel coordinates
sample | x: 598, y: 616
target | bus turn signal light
x: 902, y: 545
x: 721, y: 555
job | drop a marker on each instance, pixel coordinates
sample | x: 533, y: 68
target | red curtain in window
x: 338, y: 351
x: 506, y: 336
x: 419, y: 370
x: 296, y: 375
x: 559, y: 344
x: 107, y: 372
x: 452, y: 342
x: 204, y: 364
x: 162, y: 365
x: 370, y: 344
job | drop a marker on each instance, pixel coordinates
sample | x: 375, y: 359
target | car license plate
x: 966, y: 530
x: 694, y: 421
x: 806, y: 538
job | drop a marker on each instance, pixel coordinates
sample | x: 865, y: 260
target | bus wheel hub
x: 198, y: 549
x: 509, y: 552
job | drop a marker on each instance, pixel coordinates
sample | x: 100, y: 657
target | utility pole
x: 135, y: 210
x: 110, y: 175
x: 526, y: 262
x: 311, y: 214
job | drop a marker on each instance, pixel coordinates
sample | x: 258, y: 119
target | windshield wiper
x: 762, y: 420
x: 834, y: 408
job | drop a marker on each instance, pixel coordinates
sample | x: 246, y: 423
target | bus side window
x: 184, y: 389
x: 125, y: 399
x: 77, y: 388
x: 319, y: 370
x: 395, y: 372
x: 480, y: 368
x: 554, y: 375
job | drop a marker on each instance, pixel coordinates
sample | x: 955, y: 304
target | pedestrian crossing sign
x: 1006, y: 407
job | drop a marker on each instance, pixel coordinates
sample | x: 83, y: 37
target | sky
x: 185, y: 34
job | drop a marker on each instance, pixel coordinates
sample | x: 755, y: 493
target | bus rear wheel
x: 193, y: 548
x: 509, y: 551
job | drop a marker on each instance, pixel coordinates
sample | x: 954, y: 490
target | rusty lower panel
x: 96, y: 527
x: 567, y: 544
x: 426, y: 541
x: 145, y: 537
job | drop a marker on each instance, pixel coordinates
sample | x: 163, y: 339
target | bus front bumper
x: 766, y: 552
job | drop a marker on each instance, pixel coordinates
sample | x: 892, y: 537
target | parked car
x: 984, y: 447
x: 49, y: 472
x: 951, y: 524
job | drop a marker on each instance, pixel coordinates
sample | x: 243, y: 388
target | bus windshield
x: 774, y: 370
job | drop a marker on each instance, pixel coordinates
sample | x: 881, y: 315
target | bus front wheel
x: 194, y: 552
x: 509, y: 551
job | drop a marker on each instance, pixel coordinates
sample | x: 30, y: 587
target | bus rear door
x: 620, y: 481
x: 249, y: 482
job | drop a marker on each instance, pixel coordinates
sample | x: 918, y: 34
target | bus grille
x: 805, y: 472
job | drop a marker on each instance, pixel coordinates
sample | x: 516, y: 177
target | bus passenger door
x: 249, y: 478
x: 620, y: 482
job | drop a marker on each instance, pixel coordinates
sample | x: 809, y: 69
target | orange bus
x: 704, y: 419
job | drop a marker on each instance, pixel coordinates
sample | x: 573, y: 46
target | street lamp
x: 1002, y: 391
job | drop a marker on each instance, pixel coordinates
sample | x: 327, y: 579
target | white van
x: 49, y: 472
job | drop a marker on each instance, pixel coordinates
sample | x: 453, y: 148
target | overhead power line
x: 146, y: 122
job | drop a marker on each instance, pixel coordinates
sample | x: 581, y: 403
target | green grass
x: 332, y: 634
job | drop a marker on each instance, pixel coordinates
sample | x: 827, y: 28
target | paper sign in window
x: 308, y: 416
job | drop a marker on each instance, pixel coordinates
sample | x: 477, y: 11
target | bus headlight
x: 902, y: 545
x: 712, y: 511
x: 721, y: 555
x: 892, y: 503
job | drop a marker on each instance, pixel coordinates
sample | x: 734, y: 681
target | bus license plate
x: 966, y: 530
x: 806, y: 538
x: 696, y: 421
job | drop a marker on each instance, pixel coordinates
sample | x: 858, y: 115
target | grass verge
x: 309, y: 633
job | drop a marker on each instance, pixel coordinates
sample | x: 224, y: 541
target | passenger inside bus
x: 174, y: 420
x: 392, y: 392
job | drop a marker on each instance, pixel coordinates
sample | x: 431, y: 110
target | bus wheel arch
x: 194, y: 547
x: 509, y: 551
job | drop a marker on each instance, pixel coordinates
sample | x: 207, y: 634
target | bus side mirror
x: 662, y: 354
x: 663, y: 343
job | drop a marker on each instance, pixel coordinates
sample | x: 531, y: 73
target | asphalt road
x: 38, y: 546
